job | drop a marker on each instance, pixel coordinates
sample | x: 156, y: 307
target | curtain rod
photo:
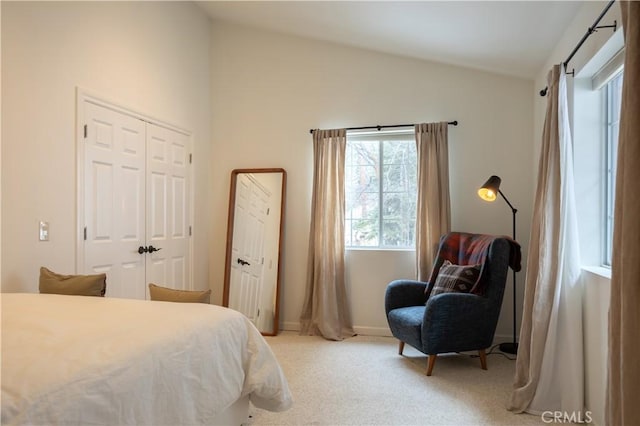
x: 379, y: 127
x: 592, y: 29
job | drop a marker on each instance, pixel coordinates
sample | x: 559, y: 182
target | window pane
x: 380, y: 185
x: 362, y: 209
x: 398, y: 228
x: 399, y: 165
x: 364, y: 233
x: 613, y: 99
x: 399, y: 193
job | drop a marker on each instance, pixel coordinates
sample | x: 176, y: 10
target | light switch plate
x: 44, y: 231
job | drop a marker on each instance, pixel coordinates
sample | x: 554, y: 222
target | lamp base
x: 510, y: 348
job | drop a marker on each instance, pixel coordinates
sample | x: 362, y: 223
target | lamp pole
x: 511, y: 348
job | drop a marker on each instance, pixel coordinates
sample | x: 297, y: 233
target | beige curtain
x: 623, y: 379
x: 326, y: 308
x: 549, y: 368
x: 433, y: 215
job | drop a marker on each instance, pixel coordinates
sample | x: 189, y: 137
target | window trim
x: 588, y: 130
x: 609, y: 177
x: 608, y: 71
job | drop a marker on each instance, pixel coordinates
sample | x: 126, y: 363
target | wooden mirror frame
x: 230, y: 226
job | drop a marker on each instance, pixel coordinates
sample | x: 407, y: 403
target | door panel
x: 179, y: 223
x: 101, y: 220
x: 157, y: 207
x: 168, y: 207
x: 131, y: 204
x: 114, y: 198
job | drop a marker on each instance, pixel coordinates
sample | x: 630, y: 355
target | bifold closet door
x: 114, y: 199
x: 136, y: 203
x: 167, y: 207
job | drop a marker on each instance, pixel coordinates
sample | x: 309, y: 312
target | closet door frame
x: 83, y: 95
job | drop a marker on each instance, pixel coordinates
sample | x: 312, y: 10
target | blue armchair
x: 453, y: 321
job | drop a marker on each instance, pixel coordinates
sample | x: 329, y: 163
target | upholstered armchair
x: 449, y: 315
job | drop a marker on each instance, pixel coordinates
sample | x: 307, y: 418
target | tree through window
x: 380, y: 189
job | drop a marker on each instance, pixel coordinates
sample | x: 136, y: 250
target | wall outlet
x: 44, y: 231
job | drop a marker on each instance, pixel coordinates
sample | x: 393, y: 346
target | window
x: 380, y: 189
x: 596, y: 104
x: 612, y: 95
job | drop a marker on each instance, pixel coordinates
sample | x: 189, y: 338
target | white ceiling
x: 508, y: 37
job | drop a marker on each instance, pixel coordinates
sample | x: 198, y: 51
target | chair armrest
x: 403, y: 293
x: 453, y: 321
x: 455, y: 308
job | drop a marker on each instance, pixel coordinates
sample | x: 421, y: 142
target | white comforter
x: 94, y: 360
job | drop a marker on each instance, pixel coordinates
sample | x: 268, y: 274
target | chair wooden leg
x: 483, y: 358
x: 400, y: 347
x: 431, y: 363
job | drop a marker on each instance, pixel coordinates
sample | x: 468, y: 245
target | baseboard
x: 364, y: 331
x: 290, y: 326
x: 385, y: 332
x: 373, y: 331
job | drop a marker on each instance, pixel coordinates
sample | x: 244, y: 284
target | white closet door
x: 114, y: 199
x: 136, y: 195
x: 168, y: 208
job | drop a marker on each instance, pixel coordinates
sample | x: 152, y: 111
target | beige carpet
x: 363, y: 381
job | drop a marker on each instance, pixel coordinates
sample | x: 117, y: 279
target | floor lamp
x: 489, y: 192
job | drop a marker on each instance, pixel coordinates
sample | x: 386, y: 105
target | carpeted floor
x: 363, y: 381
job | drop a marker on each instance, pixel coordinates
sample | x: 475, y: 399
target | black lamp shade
x: 489, y: 191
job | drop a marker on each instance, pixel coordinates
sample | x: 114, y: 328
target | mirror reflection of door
x: 253, y: 245
x: 251, y: 210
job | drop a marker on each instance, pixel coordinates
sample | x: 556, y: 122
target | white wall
x: 269, y: 89
x: 151, y: 57
x: 595, y: 315
x: 597, y: 287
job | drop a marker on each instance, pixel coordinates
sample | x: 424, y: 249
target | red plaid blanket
x: 461, y: 248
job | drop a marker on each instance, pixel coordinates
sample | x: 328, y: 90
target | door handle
x: 149, y: 249
x: 243, y: 262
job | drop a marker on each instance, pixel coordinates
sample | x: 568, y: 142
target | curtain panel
x: 433, y: 212
x: 326, y: 310
x: 549, y: 368
x: 623, y: 374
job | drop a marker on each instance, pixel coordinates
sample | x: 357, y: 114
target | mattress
x: 99, y: 360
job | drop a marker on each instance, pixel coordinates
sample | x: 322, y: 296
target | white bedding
x: 95, y: 360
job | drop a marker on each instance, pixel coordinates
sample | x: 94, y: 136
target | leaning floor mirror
x: 254, y: 239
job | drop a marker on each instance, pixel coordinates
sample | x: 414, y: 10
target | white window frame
x: 611, y: 125
x: 589, y: 133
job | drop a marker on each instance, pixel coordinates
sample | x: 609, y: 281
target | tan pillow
x: 165, y: 294
x: 78, y: 285
x: 455, y: 278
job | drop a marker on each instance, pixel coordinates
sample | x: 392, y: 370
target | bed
x: 71, y: 360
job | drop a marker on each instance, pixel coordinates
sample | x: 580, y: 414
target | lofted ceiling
x: 507, y: 37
